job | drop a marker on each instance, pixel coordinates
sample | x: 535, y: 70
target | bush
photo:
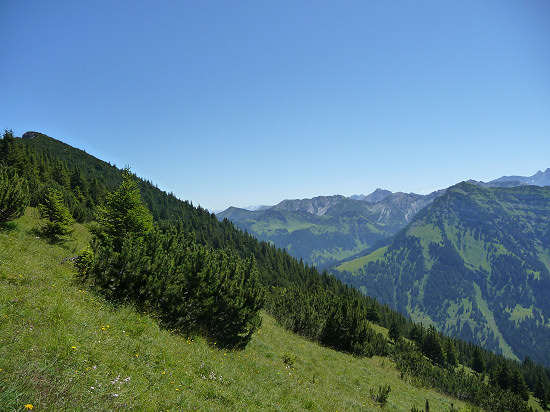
x: 189, y: 287
x: 289, y: 359
x: 382, y: 395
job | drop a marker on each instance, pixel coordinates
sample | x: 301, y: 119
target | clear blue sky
x: 251, y: 102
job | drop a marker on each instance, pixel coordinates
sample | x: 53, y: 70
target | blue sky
x: 252, y: 102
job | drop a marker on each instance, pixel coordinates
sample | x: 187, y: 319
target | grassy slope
x: 63, y: 348
x: 281, y: 227
x: 355, y: 264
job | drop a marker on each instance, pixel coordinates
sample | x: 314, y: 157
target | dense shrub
x: 189, y: 287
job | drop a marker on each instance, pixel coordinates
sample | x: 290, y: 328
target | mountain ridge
x: 326, y: 229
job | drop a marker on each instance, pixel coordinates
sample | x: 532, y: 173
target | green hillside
x: 474, y: 263
x: 65, y: 348
x: 320, y: 240
x: 85, y: 183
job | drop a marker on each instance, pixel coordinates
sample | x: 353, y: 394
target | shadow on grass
x: 8, y: 226
x: 64, y: 242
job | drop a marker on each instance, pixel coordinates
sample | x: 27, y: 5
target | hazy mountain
x: 316, y: 206
x: 326, y: 229
x: 376, y: 196
x: 475, y: 263
x: 538, y: 179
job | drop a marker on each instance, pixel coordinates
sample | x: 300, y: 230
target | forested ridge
x: 475, y: 263
x: 185, y: 242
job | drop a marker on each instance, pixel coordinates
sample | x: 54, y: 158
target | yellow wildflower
x: 29, y: 406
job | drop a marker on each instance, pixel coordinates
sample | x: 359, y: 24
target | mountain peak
x: 538, y: 179
x: 377, y: 195
x: 30, y: 135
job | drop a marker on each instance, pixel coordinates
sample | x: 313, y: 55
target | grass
x: 356, y: 264
x: 63, y: 348
x: 520, y: 313
x: 427, y: 234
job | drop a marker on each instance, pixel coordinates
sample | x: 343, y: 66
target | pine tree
x: 124, y: 214
x: 14, y: 195
x: 60, y: 174
x: 416, y: 333
x: 519, y: 386
x: 451, y: 354
x: 59, y: 219
x: 478, y: 364
x: 394, y: 332
x: 7, y: 147
x: 78, y: 183
x: 503, y: 376
x: 540, y: 393
x: 431, y: 346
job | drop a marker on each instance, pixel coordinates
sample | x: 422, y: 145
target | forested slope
x: 476, y: 264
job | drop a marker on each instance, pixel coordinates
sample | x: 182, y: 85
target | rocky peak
x: 377, y: 196
x: 30, y: 135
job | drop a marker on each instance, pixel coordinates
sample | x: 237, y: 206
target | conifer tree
x: 14, y: 195
x: 79, y: 186
x: 451, y: 354
x: 540, y: 393
x: 59, y: 219
x: 416, y: 333
x: 124, y: 214
x: 8, y: 151
x: 519, y: 386
x: 394, y: 332
x: 60, y: 174
x: 431, y: 346
x: 478, y: 364
x: 503, y: 376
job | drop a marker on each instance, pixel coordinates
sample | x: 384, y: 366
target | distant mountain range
x: 476, y: 263
x: 327, y: 229
x: 473, y: 259
x: 538, y: 179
